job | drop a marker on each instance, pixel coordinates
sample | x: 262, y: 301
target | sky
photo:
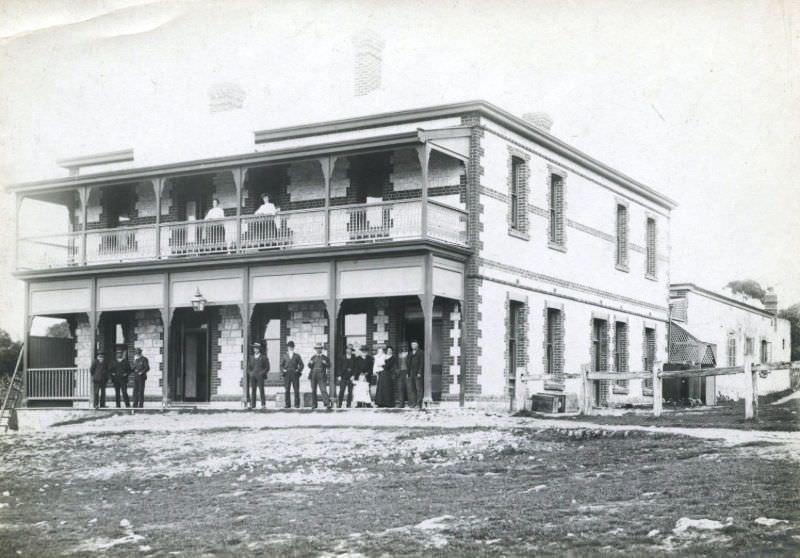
x: 699, y: 100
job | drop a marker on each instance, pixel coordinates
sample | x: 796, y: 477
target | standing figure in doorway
x: 416, y: 370
x: 141, y: 366
x: 401, y: 392
x: 363, y: 372
x: 345, y: 372
x: 257, y: 369
x: 384, y: 395
x: 318, y: 366
x: 99, y: 373
x: 291, y: 369
x: 120, y: 372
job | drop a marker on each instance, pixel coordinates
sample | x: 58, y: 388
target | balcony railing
x: 58, y: 383
x: 309, y: 228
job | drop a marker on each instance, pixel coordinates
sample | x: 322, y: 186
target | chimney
x: 540, y: 120
x: 771, y: 302
x: 368, y: 47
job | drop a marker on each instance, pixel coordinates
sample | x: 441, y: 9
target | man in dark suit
x: 416, y: 371
x: 345, y: 373
x: 99, y: 373
x: 120, y: 371
x: 257, y: 369
x: 318, y: 366
x: 141, y: 366
x: 291, y: 369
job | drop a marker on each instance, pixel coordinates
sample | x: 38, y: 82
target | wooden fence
x: 749, y: 373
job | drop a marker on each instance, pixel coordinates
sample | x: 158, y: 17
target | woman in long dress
x: 377, y: 369
x: 385, y: 393
x: 361, y: 380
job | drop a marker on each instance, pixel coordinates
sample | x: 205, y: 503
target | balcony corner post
x: 326, y: 164
x: 83, y: 195
x: 424, y: 155
x: 158, y: 186
x: 238, y: 180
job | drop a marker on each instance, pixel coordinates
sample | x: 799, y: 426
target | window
x: 649, y: 353
x: 557, y: 210
x: 554, y: 364
x: 622, y: 236
x: 764, y: 351
x: 621, y: 350
x: 516, y: 345
x: 272, y: 342
x: 651, y: 247
x: 355, y: 329
x: 783, y: 343
x: 731, y: 351
x: 518, y: 199
x: 599, y: 348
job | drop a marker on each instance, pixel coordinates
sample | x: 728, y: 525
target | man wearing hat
x: 120, y: 372
x: 99, y: 373
x: 291, y: 369
x: 257, y: 369
x: 141, y: 366
x: 318, y: 367
x: 345, y: 372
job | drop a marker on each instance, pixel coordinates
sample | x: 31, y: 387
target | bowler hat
x: 317, y: 345
x: 256, y: 345
x: 290, y: 344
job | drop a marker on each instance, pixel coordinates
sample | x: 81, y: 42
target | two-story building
x: 506, y: 252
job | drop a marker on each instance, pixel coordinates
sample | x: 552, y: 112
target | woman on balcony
x: 215, y: 234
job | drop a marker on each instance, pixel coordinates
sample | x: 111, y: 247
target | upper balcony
x: 376, y: 197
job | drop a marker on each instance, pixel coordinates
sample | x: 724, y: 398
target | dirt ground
x: 253, y: 485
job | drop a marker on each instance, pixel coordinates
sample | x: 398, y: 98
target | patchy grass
x: 361, y: 491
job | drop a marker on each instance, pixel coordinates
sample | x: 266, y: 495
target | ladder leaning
x: 12, y: 396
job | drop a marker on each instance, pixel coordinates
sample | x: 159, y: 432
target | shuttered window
x: 557, y: 209
x: 651, y: 247
x: 622, y: 235
x: 731, y: 351
x: 554, y: 345
x: 517, y: 198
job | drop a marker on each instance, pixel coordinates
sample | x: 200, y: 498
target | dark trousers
x: 138, y: 390
x: 420, y: 387
x: 320, y: 380
x: 292, y: 381
x: 345, y: 385
x: 98, y: 394
x: 257, y: 382
x: 121, y: 386
x: 405, y: 390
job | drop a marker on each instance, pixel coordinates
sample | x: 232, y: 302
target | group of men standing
x: 119, y: 372
x: 408, y: 375
x: 291, y: 370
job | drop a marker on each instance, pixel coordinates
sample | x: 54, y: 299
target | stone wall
x: 148, y: 334
x: 307, y: 325
x: 228, y: 354
x: 84, y: 352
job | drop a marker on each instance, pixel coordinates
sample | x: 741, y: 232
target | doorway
x: 414, y: 328
x: 191, y: 381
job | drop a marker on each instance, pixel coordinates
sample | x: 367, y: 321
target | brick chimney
x: 368, y: 47
x: 770, y: 302
x: 540, y: 120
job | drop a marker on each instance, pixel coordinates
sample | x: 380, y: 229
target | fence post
x: 587, y: 391
x: 658, y: 398
x: 748, y: 388
x: 754, y: 378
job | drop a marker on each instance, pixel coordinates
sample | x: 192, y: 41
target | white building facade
x: 736, y: 329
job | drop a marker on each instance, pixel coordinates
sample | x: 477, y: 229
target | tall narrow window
x: 516, y: 345
x: 553, y: 347
x: 649, y: 353
x: 600, y: 357
x: 517, y: 195
x: 622, y: 236
x: 731, y: 351
x: 621, y: 350
x: 651, y: 247
x: 272, y: 341
x: 764, y: 351
x: 557, y: 210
